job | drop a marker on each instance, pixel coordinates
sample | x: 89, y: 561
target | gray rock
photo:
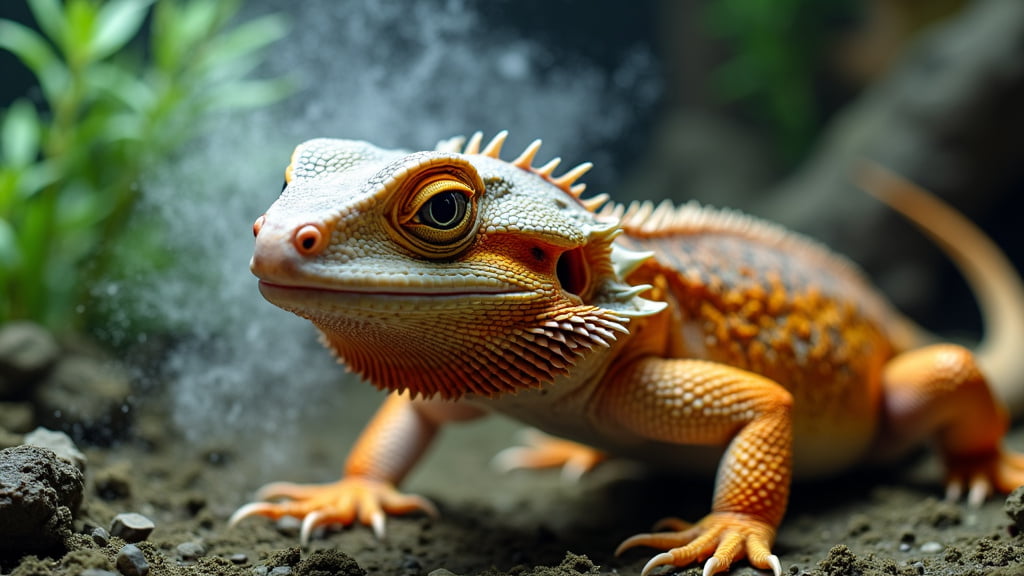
x: 1014, y: 507
x: 60, y: 443
x: 132, y: 527
x: 131, y: 561
x: 27, y: 351
x: 87, y: 398
x: 39, y: 492
x: 191, y: 550
x: 100, y: 536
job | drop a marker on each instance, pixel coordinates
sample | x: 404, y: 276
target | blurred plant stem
x: 122, y: 85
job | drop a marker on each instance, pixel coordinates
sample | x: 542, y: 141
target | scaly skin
x: 453, y: 275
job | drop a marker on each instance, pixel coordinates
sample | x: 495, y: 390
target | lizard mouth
x: 274, y: 291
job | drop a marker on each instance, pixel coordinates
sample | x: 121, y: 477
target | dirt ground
x: 524, y: 523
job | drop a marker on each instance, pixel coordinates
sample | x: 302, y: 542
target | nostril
x: 258, y: 225
x: 309, y: 240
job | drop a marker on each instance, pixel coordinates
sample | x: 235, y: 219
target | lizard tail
x: 991, y: 276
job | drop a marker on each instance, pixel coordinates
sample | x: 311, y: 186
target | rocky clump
x: 1014, y: 508
x: 39, y: 493
x: 27, y: 352
x: 86, y: 398
x: 68, y: 388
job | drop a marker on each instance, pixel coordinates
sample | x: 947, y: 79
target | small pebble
x: 131, y: 561
x: 260, y: 570
x: 96, y: 572
x: 100, y: 536
x: 442, y: 572
x: 132, y: 527
x: 191, y: 550
x: 239, y: 558
x: 931, y: 547
x: 281, y: 571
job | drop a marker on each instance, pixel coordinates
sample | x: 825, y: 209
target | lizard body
x: 663, y: 333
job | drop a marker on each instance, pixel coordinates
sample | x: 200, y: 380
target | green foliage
x: 777, y: 47
x: 112, y: 106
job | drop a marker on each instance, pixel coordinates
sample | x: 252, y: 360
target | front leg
x: 697, y: 402
x: 385, y: 452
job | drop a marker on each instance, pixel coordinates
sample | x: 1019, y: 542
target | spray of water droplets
x: 398, y: 74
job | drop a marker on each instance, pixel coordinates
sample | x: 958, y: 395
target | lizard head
x: 447, y: 272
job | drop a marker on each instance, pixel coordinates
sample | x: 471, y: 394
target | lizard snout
x: 281, y: 248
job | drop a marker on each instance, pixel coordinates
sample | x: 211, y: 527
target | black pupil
x: 445, y: 210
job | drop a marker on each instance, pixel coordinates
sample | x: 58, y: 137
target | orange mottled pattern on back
x: 809, y: 324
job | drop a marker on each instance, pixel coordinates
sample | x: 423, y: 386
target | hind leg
x: 938, y: 392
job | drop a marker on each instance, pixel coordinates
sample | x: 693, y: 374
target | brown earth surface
x: 885, y: 522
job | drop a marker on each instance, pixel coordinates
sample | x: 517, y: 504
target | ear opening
x: 573, y: 272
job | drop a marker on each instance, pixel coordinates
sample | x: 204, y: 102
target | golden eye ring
x: 437, y: 218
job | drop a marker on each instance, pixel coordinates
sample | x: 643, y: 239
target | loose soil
x: 887, y: 522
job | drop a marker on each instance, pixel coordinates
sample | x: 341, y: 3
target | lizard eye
x: 444, y: 211
x: 438, y: 217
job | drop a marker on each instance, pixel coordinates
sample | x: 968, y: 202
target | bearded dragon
x: 465, y: 284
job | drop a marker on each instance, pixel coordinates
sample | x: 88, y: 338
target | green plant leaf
x: 39, y: 176
x: 117, y: 23
x: 81, y: 15
x: 122, y: 85
x: 245, y: 40
x: 51, y: 19
x: 9, y: 253
x: 37, y: 54
x: 20, y: 134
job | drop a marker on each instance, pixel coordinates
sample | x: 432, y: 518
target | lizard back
x: 750, y: 294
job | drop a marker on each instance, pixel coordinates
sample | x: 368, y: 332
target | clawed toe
x: 264, y: 509
x: 983, y: 476
x: 543, y: 451
x: 721, y: 538
x: 342, y: 503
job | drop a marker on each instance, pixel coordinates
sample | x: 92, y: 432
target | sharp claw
x: 776, y: 565
x: 954, y: 490
x: 712, y: 566
x: 377, y: 523
x: 629, y: 543
x: 573, y: 471
x: 662, y: 559
x: 978, y: 493
x: 309, y: 523
x: 507, y: 460
x: 250, y: 509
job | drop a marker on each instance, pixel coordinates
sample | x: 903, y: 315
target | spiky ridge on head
x: 566, y: 182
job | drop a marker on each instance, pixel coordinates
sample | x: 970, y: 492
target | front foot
x: 721, y: 537
x: 340, y: 503
x: 997, y: 472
